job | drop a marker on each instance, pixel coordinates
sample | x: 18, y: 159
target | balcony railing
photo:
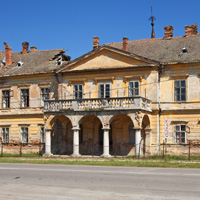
x: 98, y: 104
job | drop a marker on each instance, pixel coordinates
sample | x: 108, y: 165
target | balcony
x: 98, y: 104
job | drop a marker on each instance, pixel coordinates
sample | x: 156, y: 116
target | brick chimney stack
x: 191, y: 30
x: 95, y: 42
x: 125, y: 43
x: 25, y: 47
x: 33, y: 48
x: 168, y: 31
x: 8, y: 54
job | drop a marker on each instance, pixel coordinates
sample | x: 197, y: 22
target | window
x: 133, y: 88
x: 104, y: 90
x: 6, y: 98
x: 78, y: 91
x: 42, y: 135
x: 24, y: 134
x: 44, y: 95
x: 180, y: 134
x: 131, y: 133
x: 25, y: 98
x: 5, y: 135
x: 180, y: 90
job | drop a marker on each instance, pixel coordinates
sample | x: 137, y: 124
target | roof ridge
x: 198, y: 34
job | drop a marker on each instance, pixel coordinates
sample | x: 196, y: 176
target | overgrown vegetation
x: 102, y: 162
x: 106, y: 162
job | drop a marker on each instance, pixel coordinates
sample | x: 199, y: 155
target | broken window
x: 104, y: 90
x: 6, y: 98
x: 44, y: 95
x: 131, y: 133
x: 42, y: 135
x: 25, y: 98
x: 78, y: 91
x: 133, y: 88
x: 5, y: 135
x: 180, y: 134
x: 24, y: 135
x: 180, y: 90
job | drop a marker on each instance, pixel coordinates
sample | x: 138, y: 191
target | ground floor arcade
x: 99, y: 135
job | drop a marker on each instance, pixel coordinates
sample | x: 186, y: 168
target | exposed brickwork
x: 33, y: 48
x: 125, y: 43
x: 25, y: 47
x: 8, y: 54
x: 168, y: 31
x: 191, y: 30
x: 95, y: 42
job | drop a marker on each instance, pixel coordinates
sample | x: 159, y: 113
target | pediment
x: 106, y: 58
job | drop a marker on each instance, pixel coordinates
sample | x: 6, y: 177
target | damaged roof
x: 40, y: 61
x: 165, y: 50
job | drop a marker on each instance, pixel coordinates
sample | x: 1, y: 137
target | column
x: 148, y: 140
x: 106, y: 153
x: 76, y: 142
x: 137, y: 140
x: 48, y: 142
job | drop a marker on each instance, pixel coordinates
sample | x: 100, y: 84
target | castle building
x: 116, y: 99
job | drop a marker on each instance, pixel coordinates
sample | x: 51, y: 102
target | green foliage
x: 103, y: 162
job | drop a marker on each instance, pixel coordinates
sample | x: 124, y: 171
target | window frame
x: 180, y: 131
x: 22, y: 132
x: 45, y: 95
x: 3, y: 132
x: 7, y: 99
x: 104, y: 90
x: 133, y: 89
x: 24, y: 99
x: 76, y: 93
x: 180, y: 89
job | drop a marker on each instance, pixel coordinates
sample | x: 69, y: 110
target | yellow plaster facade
x: 107, y: 102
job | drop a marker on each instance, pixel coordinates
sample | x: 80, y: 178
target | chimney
x: 168, y: 31
x: 33, y: 48
x: 8, y: 54
x: 191, y: 30
x: 95, y: 42
x: 25, y: 47
x: 125, y: 43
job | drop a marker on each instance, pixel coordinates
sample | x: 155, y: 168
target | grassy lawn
x: 102, y: 162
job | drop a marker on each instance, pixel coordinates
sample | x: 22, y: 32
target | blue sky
x: 71, y: 24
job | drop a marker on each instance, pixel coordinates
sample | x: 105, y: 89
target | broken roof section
x: 33, y: 62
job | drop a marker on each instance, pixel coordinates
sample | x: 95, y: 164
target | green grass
x: 152, y: 157
x: 103, y: 162
x: 23, y: 155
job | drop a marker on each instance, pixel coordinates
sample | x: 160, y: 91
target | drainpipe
x: 61, y: 90
x: 161, y: 67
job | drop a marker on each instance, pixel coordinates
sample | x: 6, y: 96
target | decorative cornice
x: 97, y: 79
x: 178, y: 121
x: 179, y: 76
x: 72, y: 81
x: 128, y: 78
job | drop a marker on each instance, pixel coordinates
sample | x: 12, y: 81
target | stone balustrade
x: 98, y: 104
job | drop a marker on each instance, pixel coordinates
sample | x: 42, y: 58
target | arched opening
x: 123, y: 135
x: 145, y: 138
x: 92, y: 136
x: 61, y: 136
